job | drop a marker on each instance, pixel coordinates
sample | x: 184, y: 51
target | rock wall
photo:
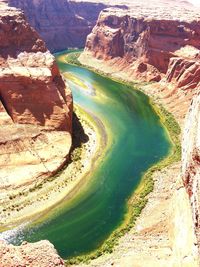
x: 35, y: 107
x: 32, y: 90
x: 183, y: 70
x: 148, y: 43
x: 60, y: 23
x: 182, y: 230
x: 145, y: 40
x: 35, y: 126
x: 191, y: 159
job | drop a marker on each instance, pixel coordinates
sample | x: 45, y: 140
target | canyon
x: 73, y: 20
x: 146, y: 44
x: 61, y: 24
x: 36, y: 105
x: 137, y: 42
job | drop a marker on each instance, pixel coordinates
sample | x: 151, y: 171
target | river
x: 137, y: 140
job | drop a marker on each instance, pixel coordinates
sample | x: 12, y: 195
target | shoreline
x: 63, y: 185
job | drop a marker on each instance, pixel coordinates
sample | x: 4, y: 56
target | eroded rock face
x: 60, y: 23
x: 35, y: 126
x: 33, y: 91
x: 31, y: 88
x: 183, y: 72
x: 145, y: 40
x: 40, y: 254
x: 35, y: 107
x: 191, y: 159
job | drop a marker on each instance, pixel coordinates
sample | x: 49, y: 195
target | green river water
x: 137, y: 140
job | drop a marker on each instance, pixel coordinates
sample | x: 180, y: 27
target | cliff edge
x: 35, y: 109
x: 191, y: 160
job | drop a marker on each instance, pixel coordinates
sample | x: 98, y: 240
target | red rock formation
x: 35, y: 106
x: 33, y: 91
x: 36, y: 125
x: 157, y: 43
x: 60, y: 23
x: 31, y: 87
x: 40, y: 254
x: 184, y: 73
x: 144, y: 39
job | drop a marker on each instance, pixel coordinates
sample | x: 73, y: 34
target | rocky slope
x: 35, y: 108
x: 40, y: 254
x: 60, y: 23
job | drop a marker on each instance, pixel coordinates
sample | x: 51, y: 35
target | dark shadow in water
x: 79, y: 136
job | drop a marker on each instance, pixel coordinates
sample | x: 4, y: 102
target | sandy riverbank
x: 33, y: 202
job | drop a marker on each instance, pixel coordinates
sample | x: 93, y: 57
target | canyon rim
x: 152, y: 46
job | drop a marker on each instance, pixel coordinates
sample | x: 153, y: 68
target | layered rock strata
x: 35, y: 107
x: 60, y: 23
x: 146, y: 42
x: 35, y: 126
x: 152, y: 43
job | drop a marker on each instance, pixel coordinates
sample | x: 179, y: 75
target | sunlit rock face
x: 35, y: 126
x: 61, y: 24
x: 147, y: 40
x: 35, y: 107
x: 191, y: 159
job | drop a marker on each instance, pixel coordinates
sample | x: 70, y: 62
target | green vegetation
x: 140, y: 197
x: 72, y: 58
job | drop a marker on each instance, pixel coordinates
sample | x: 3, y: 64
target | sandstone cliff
x: 35, y: 107
x: 144, y: 40
x: 35, y: 127
x: 150, y: 43
x: 191, y: 159
x: 60, y: 23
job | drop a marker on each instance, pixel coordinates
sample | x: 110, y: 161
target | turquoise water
x: 137, y: 140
